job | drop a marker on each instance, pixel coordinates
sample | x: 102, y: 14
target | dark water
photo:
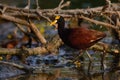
x: 68, y: 74
x: 72, y: 73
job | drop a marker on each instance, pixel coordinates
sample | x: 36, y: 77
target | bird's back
x: 81, y: 38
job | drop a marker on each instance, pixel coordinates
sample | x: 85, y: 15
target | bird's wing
x: 84, y: 36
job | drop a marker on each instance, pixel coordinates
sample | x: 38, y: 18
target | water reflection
x: 59, y: 74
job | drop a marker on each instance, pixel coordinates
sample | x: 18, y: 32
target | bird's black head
x: 59, y: 20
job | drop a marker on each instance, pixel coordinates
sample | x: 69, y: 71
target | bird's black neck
x: 62, y: 31
x: 61, y: 26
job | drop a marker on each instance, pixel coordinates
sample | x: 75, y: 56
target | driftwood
x: 19, y: 15
x: 16, y: 15
x: 50, y: 47
x: 20, y: 67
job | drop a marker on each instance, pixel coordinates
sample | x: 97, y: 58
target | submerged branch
x: 20, y: 67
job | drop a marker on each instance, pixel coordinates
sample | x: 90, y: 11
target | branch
x: 37, y: 4
x: 37, y: 33
x: 99, y: 22
x: 61, y: 5
x: 20, y: 67
x: 28, y: 5
x: 14, y: 19
x: 106, y: 47
x: 50, y: 47
x: 45, y: 13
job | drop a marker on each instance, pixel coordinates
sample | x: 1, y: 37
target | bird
x: 80, y: 38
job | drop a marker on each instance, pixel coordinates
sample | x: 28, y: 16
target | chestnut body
x: 78, y: 38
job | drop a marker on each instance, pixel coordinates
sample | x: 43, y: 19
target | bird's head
x: 55, y: 21
x: 59, y: 20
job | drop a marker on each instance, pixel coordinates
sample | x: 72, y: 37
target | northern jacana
x: 78, y: 38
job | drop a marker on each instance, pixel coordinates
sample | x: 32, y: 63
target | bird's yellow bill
x: 53, y: 23
x: 57, y: 17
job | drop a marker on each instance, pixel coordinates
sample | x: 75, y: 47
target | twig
x: 66, y: 4
x: 23, y: 68
x: 99, y: 47
x: 28, y: 5
x: 14, y: 19
x: 107, y: 6
x: 4, y: 9
x: 60, y: 4
x: 99, y: 22
x: 37, y: 33
x: 20, y: 27
x: 50, y: 47
x: 40, y: 15
x: 37, y: 4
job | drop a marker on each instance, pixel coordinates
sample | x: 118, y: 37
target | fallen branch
x: 37, y: 33
x: 26, y: 68
x: 50, y: 47
x: 14, y: 19
x: 7, y: 11
x: 107, y: 48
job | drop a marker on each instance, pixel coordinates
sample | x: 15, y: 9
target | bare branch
x: 14, y: 19
x: 37, y: 4
x: 60, y: 3
x: 37, y: 33
x: 20, y: 67
x: 50, y: 47
x: 20, y: 27
x: 40, y: 15
x: 99, y: 22
x: 66, y: 4
x: 28, y: 5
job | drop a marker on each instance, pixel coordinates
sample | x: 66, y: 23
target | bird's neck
x: 61, y: 27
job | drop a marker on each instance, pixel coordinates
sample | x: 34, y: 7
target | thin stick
x: 60, y: 3
x: 90, y: 61
x: 98, y: 22
x: 20, y: 27
x: 37, y: 4
x: 17, y: 66
x: 40, y: 14
x: 28, y: 5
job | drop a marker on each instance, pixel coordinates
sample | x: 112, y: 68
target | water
x: 70, y: 74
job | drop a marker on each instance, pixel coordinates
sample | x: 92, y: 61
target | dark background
x: 53, y: 3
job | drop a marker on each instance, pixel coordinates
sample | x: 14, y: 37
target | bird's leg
x: 90, y: 61
x: 102, y: 60
x: 76, y: 59
x: 78, y: 56
x: 103, y: 54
